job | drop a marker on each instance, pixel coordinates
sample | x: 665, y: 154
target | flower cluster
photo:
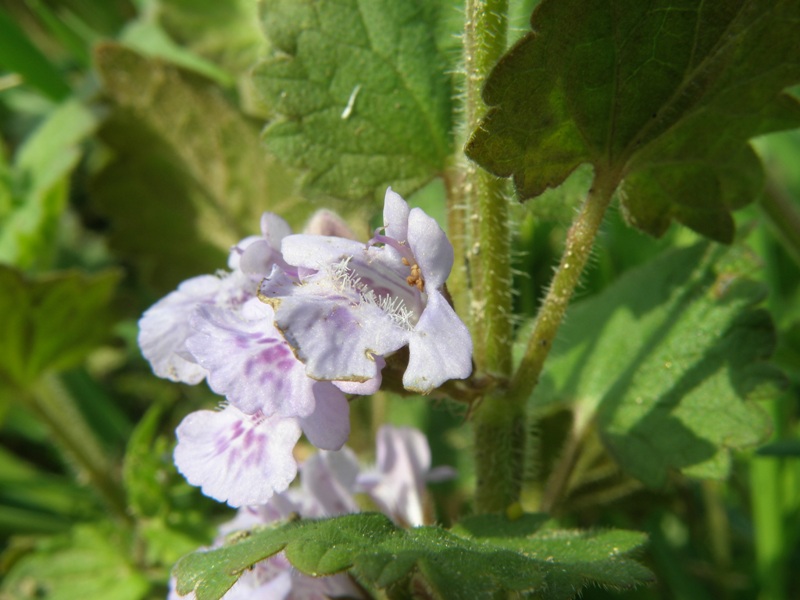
x: 329, y: 482
x: 297, y: 323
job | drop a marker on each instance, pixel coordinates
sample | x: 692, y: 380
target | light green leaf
x: 51, y: 322
x: 668, y: 363
x: 90, y: 563
x: 38, y: 185
x: 195, y: 186
x: 226, y: 33
x: 361, y: 91
x: 661, y: 95
x: 528, y: 556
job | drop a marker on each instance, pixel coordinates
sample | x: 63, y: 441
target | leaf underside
x: 663, y: 93
x: 480, y: 557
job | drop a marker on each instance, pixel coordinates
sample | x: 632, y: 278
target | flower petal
x: 365, y: 388
x: 337, y: 341
x: 328, y: 427
x: 249, y: 362
x: 164, y: 327
x: 237, y: 458
x: 395, y: 216
x: 432, y: 249
x: 329, y: 478
x: 440, y: 347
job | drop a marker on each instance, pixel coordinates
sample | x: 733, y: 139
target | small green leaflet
x: 682, y: 392
x: 361, y: 94
x: 479, y: 558
x: 663, y: 95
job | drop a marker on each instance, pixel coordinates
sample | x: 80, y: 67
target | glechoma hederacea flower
x: 298, y: 322
x: 331, y: 484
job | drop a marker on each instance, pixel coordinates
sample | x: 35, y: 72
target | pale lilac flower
x: 329, y: 484
x: 356, y: 303
x: 397, y: 483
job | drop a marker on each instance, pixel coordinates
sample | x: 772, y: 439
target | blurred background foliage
x: 132, y: 159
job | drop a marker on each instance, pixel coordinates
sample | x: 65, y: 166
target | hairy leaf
x: 37, y: 184
x: 668, y: 363
x: 50, y: 323
x: 195, y: 186
x: 664, y: 94
x: 361, y: 93
x: 468, y: 563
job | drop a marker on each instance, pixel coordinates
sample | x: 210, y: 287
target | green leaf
x: 87, y: 564
x: 19, y: 55
x: 50, y: 323
x: 226, y: 33
x: 361, y: 92
x: 668, y: 363
x: 466, y: 563
x: 38, y: 185
x: 196, y: 189
x: 662, y: 95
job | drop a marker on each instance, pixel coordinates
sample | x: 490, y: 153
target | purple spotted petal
x: 237, y: 458
x: 249, y: 362
x: 440, y: 347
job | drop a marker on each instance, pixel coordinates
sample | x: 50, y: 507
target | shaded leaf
x: 226, y: 33
x: 195, y: 185
x: 50, y: 323
x: 668, y: 362
x: 361, y: 92
x: 38, y: 184
x: 89, y: 563
x: 662, y: 94
x: 465, y: 563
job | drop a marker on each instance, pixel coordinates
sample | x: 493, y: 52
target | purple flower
x: 354, y: 303
x: 329, y: 485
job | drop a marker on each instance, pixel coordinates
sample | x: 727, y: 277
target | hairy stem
x: 500, y: 429
x: 52, y: 403
x: 577, y: 250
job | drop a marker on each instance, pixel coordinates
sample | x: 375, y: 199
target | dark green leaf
x: 362, y: 94
x: 19, y: 55
x: 662, y: 94
x: 51, y: 322
x: 668, y: 362
x: 195, y: 187
x: 38, y: 183
x: 464, y: 564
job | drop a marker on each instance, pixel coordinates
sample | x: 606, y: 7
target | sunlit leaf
x: 661, y: 95
x: 669, y: 362
x: 38, y: 184
x: 479, y: 559
x: 362, y: 94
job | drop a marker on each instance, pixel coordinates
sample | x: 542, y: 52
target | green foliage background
x: 141, y: 138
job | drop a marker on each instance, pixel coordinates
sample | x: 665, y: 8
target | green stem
x: 499, y: 424
x: 52, y: 403
x: 577, y: 250
x: 490, y: 260
x: 784, y: 217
